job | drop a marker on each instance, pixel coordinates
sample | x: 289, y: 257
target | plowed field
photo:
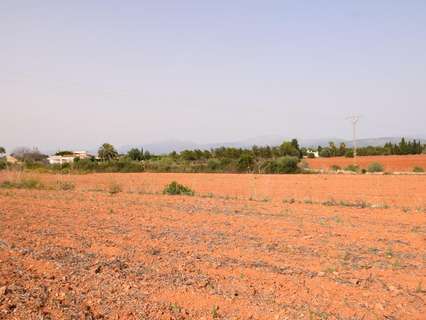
x: 244, y: 247
x: 390, y: 163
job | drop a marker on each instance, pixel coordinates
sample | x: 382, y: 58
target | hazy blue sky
x: 78, y: 73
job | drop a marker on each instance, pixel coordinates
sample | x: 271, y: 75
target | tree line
x: 284, y: 158
x: 404, y: 147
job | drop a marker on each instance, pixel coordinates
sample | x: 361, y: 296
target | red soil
x: 86, y: 254
x: 390, y: 163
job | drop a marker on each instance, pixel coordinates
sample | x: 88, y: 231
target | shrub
x: 310, y: 155
x: 245, y: 162
x: 285, y: 165
x: 335, y: 167
x: 349, y: 154
x: 418, y: 169
x: 281, y: 165
x: 175, y: 188
x: 85, y: 165
x: 3, y: 164
x: 352, y: 167
x: 325, y: 153
x: 375, y: 167
x: 213, y: 165
x: 114, y: 188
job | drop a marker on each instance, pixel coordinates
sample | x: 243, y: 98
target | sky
x: 75, y: 74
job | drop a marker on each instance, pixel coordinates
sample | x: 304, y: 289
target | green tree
x: 135, y: 154
x: 2, y: 151
x: 245, y: 162
x: 107, y: 152
x: 333, y: 148
x: 147, y: 155
x: 342, y: 149
x: 289, y: 149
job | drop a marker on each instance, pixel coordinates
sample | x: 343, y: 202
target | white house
x: 60, y: 159
x: 81, y: 154
x: 315, y: 153
x: 68, y: 158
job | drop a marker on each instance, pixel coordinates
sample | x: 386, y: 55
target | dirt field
x: 390, y: 163
x: 244, y: 247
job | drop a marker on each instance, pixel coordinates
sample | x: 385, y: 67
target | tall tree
x: 107, y: 152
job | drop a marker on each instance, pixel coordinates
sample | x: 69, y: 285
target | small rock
x: 3, y: 290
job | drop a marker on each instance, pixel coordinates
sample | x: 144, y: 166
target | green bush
x: 375, y: 167
x: 281, y: 165
x: 352, y: 167
x: 349, y: 154
x: 175, y: 188
x: 418, y: 169
x: 85, y: 165
x: 335, y: 167
x: 310, y: 155
x: 214, y: 165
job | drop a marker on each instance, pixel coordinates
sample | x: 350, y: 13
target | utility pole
x: 354, y: 119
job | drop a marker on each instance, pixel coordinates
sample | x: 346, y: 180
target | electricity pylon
x: 354, y: 119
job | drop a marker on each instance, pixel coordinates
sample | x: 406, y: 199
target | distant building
x: 68, y: 158
x: 315, y: 153
x: 81, y: 154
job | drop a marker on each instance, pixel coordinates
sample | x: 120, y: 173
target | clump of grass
x: 418, y: 169
x: 362, y: 204
x: 31, y: 183
x: 330, y: 203
x: 174, y: 307
x: 289, y: 200
x: 375, y: 167
x: 114, y: 188
x: 65, y: 185
x: 175, y: 188
x: 352, y: 167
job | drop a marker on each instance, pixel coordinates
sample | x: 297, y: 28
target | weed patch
x: 175, y: 188
x: 22, y: 184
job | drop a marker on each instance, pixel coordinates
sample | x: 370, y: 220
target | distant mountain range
x: 167, y: 146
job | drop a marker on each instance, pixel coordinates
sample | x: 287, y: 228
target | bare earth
x: 244, y: 247
x: 390, y: 163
